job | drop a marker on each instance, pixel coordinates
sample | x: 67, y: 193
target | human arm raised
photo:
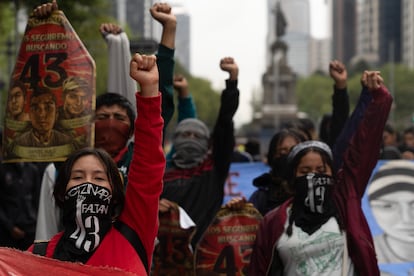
x: 223, y: 134
x: 162, y: 13
x: 363, y: 150
x: 147, y: 167
x: 340, y: 100
x: 119, y: 56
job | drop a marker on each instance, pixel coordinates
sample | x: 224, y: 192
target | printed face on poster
x: 51, y: 99
x: 388, y: 205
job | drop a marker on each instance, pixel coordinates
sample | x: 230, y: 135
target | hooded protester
x: 196, y: 176
x: 322, y: 229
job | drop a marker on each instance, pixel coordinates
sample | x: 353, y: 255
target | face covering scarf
x: 86, y: 220
x: 111, y: 135
x: 279, y: 166
x: 313, y: 204
x: 189, y: 152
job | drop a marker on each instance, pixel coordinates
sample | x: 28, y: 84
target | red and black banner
x: 226, y: 246
x: 51, y: 97
x: 173, y: 254
x: 16, y: 262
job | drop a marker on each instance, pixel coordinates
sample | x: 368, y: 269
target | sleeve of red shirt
x: 145, y: 173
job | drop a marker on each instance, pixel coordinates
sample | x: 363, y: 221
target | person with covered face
x: 271, y: 186
x: 102, y: 226
x: 322, y: 229
x: 196, y: 176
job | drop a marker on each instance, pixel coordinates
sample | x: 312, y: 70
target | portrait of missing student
x: 52, y: 94
x: 389, y: 207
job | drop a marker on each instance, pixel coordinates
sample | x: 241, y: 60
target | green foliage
x: 314, y: 93
x: 314, y: 96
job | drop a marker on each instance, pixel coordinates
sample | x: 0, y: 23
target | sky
x: 236, y: 28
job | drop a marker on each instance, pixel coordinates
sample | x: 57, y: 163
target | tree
x: 314, y: 93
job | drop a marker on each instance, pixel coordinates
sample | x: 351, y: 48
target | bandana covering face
x: 86, y: 219
x: 313, y: 204
x: 111, y: 135
x: 279, y: 166
x: 190, y: 151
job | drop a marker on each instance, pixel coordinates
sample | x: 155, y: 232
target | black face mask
x: 313, y: 204
x: 86, y: 219
x: 314, y: 192
x: 279, y: 166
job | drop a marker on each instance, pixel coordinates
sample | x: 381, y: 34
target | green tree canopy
x: 314, y: 93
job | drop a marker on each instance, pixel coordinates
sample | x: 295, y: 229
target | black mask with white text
x: 86, y: 220
x: 313, y: 203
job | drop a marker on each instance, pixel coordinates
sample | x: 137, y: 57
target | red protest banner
x: 15, y: 262
x: 226, y: 246
x: 172, y: 254
x: 52, y: 94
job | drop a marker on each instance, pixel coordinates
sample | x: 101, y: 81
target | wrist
x: 340, y: 84
x: 149, y: 90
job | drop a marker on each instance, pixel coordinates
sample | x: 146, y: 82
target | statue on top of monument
x: 281, y: 22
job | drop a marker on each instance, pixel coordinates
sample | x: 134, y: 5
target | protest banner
x: 173, y: 254
x: 239, y: 182
x: 226, y: 246
x: 16, y: 262
x: 52, y: 94
x: 388, y: 205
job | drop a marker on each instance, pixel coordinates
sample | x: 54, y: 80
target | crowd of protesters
x: 101, y: 206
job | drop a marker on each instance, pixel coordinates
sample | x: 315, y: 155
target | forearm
x: 186, y: 108
x: 340, y: 112
x: 165, y: 63
x: 146, y: 172
x: 223, y: 134
x: 365, y: 145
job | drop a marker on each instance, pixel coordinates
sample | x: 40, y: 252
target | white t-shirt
x: 321, y: 253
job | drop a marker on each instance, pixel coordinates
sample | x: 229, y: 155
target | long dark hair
x: 113, y: 174
x: 293, y: 165
x: 278, y: 138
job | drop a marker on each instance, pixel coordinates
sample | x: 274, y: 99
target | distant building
x: 343, y: 30
x: 407, y: 25
x: 298, y: 35
x: 378, y: 31
x: 320, y: 55
x: 183, y: 37
x: 134, y: 13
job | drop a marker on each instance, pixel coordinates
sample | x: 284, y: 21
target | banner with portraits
x: 226, y: 246
x: 173, y: 254
x: 388, y: 205
x: 51, y: 98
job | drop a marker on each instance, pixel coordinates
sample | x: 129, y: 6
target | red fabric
x: 15, y: 262
x: 142, y: 195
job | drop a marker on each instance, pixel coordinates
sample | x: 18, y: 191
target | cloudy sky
x: 236, y: 28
